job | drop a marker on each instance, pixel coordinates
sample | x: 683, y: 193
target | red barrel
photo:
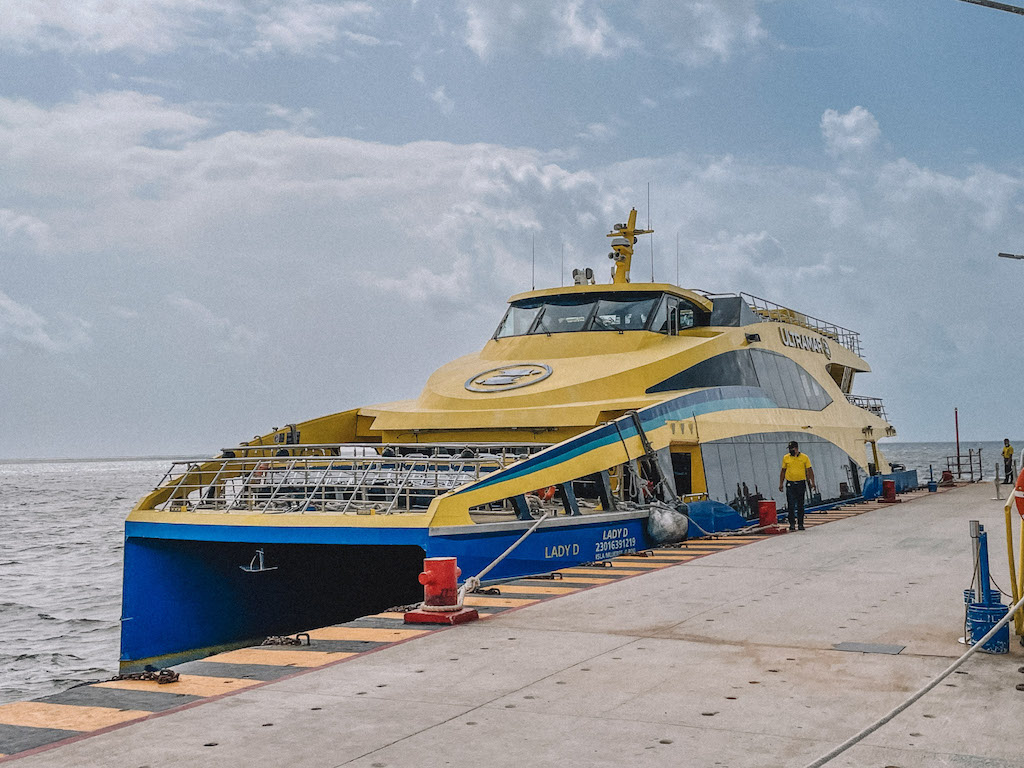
x: 440, y: 581
x: 889, y: 490
x: 766, y: 513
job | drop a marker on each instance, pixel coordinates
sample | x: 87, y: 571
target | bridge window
x: 619, y: 311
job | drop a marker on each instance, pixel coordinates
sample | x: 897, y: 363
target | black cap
x: 792, y: 444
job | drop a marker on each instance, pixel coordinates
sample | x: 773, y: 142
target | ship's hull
x: 186, y: 594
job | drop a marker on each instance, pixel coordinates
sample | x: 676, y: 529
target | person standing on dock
x: 796, y: 474
x: 1007, y: 461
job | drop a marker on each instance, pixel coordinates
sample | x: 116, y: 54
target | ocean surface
x: 61, y: 530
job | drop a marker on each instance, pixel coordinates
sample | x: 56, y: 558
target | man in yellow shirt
x: 1007, y: 460
x: 796, y: 474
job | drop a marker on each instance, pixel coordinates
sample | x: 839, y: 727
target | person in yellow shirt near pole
x: 1007, y: 461
x: 796, y: 474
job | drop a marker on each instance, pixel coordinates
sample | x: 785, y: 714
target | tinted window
x: 785, y: 381
x: 560, y: 318
x: 619, y: 311
x: 517, y: 321
x: 615, y: 315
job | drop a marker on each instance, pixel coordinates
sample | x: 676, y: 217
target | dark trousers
x: 796, y: 491
x: 1008, y: 470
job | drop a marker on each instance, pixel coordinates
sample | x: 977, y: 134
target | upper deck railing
x: 334, y: 479
x: 871, y: 404
x: 771, y: 311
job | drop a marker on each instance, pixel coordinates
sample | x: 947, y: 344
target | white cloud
x: 101, y: 26
x: 227, y: 335
x: 439, y: 97
x: 147, y: 27
x: 566, y: 26
x: 299, y: 27
x: 20, y: 325
x: 597, y: 132
x: 854, y: 132
x: 16, y: 227
x: 694, y: 32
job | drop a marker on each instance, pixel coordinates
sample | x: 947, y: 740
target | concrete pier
x: 713, y: 655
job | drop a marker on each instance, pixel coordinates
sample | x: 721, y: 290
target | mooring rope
x: 946, y: 673
x: 473, y: 582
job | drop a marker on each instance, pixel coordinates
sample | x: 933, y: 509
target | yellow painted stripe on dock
x: 586, y: 579
x: 643, y: 563
x: 529, y: 589
x: 190, y: 685
x: 369, y: 634
x: 482, y: 601
x: 611, y: 573
x: 388, y: 615
x: 280, y: 658
x: 66, y: 717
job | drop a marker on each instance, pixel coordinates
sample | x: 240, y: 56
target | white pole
x: 999, y: 496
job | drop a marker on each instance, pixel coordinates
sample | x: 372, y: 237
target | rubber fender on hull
x: 666, y: 524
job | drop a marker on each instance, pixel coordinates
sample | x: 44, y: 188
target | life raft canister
x: 1018, y: 493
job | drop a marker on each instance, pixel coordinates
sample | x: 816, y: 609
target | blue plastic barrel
x: 995, y: 597
x: 933, y: 486
x: 980, y: 619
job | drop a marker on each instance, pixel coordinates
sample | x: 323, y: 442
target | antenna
x: 561, y: 266
x: 649, y: 227
x: 533, y: 263
x: 677, y: 257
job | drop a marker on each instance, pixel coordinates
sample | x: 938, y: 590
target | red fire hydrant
x: 440, y: 579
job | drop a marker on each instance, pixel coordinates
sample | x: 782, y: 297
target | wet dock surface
x: 746, y: 651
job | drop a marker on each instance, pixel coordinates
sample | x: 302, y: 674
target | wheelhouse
x: 621, y: 311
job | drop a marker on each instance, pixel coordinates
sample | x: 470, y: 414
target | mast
x: 622, y: 247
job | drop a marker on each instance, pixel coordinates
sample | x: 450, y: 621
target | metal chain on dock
x: 160, y: 676
x: 287, y: 640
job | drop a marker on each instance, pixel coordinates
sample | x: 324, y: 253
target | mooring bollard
x: 889, y: 492
x: 442, y: 603
x: 440, y: 580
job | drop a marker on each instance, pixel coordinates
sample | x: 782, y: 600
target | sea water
x: 61, y: 545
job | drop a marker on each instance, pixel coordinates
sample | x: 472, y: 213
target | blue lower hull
x: 186, y: 595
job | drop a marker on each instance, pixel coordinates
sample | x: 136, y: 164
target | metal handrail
x: 871, y: 404
x: 777, y: 313
x: 333, y: 484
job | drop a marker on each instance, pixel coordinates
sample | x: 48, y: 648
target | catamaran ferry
x: 590, y: 411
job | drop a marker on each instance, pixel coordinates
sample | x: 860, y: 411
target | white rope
x: 473, y: 582
x: 946, y: 673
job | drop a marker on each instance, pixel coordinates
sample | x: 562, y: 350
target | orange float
x: 1018, y: 494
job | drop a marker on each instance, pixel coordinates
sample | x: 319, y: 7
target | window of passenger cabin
x: 617, y: 315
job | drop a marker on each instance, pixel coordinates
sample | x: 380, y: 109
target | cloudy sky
x: 219, y: 216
